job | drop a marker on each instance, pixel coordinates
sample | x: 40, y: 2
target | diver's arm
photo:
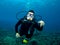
x: 39, y: 25
x: 16, y: 26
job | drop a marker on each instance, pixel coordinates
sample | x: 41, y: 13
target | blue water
x: 48, y: 9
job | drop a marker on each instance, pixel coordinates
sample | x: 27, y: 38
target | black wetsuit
x: 27, y: 25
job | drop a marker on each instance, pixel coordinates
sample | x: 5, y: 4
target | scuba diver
x: 28, y: 23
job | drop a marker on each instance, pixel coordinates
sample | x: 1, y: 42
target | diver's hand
x: 17, y: 35
x: 42, y: 23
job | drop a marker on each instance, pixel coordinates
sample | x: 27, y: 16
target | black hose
x: 18, y: 14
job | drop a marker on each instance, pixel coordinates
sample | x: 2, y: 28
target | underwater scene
x: 11, y: 11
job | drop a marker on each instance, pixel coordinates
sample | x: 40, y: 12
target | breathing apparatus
x: 29, y: 15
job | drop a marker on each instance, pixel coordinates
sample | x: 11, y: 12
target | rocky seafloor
x: 8, y: 38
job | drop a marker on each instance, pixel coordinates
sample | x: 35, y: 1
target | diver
x: 28, y: 23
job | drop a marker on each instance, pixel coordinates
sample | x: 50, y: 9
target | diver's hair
x: 31, y: 11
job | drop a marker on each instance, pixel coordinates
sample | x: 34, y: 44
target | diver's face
x: 30, y: 16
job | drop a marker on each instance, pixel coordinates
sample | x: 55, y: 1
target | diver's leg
x: 30, y: 35
x: 25, y: 40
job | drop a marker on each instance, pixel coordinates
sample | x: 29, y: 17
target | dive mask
x: 30, y: 16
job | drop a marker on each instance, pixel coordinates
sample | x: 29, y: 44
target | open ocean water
x: 49, y: 10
